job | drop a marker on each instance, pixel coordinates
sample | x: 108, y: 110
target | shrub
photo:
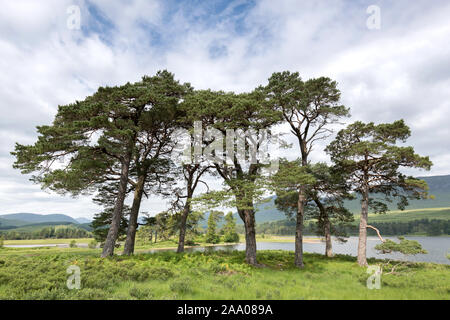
x: 73, y: 244
x: 140, y: 294
x: 182, y: 286
x: 92, y: 244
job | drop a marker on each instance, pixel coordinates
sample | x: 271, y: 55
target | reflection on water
x: 437, y: 247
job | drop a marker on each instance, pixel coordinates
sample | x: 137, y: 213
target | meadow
x: 40, y: 273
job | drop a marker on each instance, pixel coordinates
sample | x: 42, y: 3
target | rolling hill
x: 31, y: 218
x: 439, y: 188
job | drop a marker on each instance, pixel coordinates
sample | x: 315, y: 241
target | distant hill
x: 83, y: 220
x: 439, y: 188
x: 20, y: 219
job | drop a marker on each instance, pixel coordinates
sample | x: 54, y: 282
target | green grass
x: 410, y: 215
x: 41, y: 274
x: 47, y: 241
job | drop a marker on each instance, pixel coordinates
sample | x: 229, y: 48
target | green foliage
x: 101, y: 222
x: 368, y: 154
x: 229, y: 229
x: 211, y: 232
x: 1, y: 241
x: 73, y: 244
x: 92, y: 244
x: 406, y: 247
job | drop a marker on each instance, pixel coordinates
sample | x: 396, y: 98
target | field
x: 40, y: 273
x: 46, y: 241
x: 410, y: 215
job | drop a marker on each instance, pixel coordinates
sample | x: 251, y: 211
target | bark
x: 156, y: 236
x: 328, y: 245
x: 362, y: 243
x: 108, y: 248
x: 134, y: 214
x: 326, y: 227
x: 250, y: 236
x: 299, y: 228
x: 248, y: 217
x: 184, y: 216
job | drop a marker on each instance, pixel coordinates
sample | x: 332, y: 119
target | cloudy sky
x: 399, y: 70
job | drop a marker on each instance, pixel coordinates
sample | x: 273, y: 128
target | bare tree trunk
x: 328, y: 244
x: 134, y: 214
x: 250, y: 237
x: 184, y: 216
x: 299, y: 228
x: 248, y: 217
x: 362, y: 243
x: 108, y: 248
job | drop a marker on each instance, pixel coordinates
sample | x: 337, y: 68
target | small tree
x: 1, y: 241
x: 73, y: 244
x: 229, y: 230
x: 92, y: 244
x: 405, y: 247
x: 325, y: 193
x: 211, y: 234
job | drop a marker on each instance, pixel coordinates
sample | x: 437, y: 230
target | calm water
x: 437, y: 247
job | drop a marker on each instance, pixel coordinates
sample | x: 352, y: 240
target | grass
x: 410, y: 215
x: 40, y: 273
x: 47, y: 241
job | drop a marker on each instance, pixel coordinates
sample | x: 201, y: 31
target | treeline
x: 429, y: 227
x: 164, y: 227
x: 159, y: 136
x: 52, y: 232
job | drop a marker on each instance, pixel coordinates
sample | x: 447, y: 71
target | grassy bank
x: 40, y: 273
x: 47, y: 241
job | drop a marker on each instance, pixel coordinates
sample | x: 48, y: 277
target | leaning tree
x: 368, y: 154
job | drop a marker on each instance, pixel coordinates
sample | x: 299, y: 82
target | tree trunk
x: 250, y: 236
x: 134, y: 214
x: 248, y: 217
x: 362, y: 243
x: 328, y: 245
x: 299, y: 229
x: 108, y: 248
x: 184, y: 216
x: 156, y: 235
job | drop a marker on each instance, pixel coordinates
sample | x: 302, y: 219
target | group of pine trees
x: 120, y: 142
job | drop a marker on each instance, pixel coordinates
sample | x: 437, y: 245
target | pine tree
x: 229, y: 229
x: 211, y: 232
x: 309, y: 107
x: 368, y: 155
